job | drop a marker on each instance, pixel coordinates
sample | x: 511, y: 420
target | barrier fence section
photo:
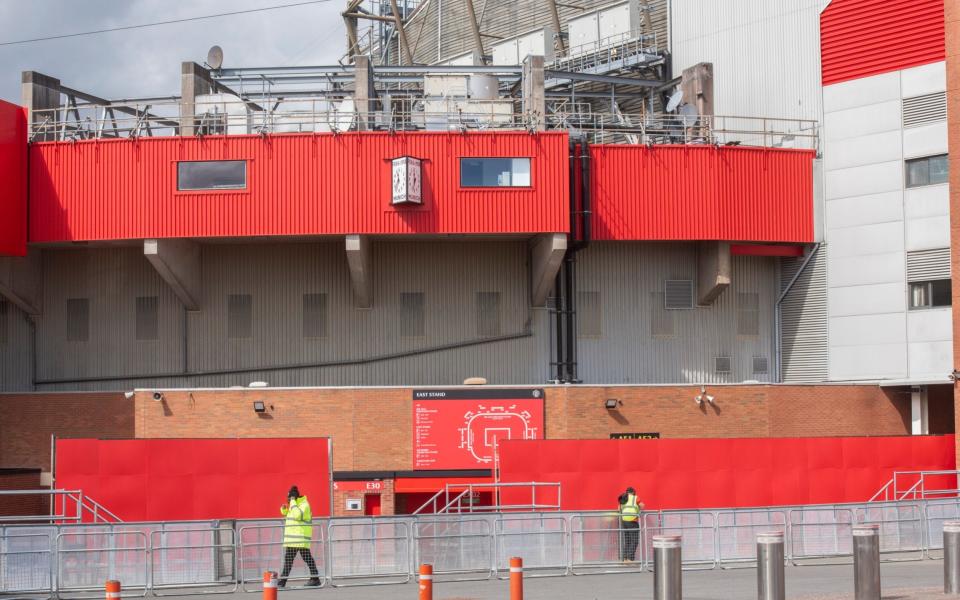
x: 181, y: 558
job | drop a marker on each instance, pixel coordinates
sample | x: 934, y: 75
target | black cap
x: 294, y: 492
x: 630, y: 490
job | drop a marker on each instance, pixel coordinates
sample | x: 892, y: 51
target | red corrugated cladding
x: 702, y: 193
x: 13, y: 175
x: 297, y: 185
x: 859, y: 38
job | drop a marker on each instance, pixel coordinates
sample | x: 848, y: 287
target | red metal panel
x: 13, y: 174
x: 298, y: 185
x: 859, y: 38
x: 749, y: 472
x: 702, y: 193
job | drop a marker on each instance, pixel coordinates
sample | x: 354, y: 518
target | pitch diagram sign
x: 460, y: 429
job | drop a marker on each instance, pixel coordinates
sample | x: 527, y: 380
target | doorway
x: 371, y: 505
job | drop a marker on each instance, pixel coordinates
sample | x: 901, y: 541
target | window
x: 411, y: 314
x: 927, y: 171
x: 4, y: 319
x: 495, y: 172
x: 661, y: 319
x: 748, y: 314
x: 147, y: 325
x: 930, y: 294
x: 314, y: 315
x: 78, y: 319
x: 677, y: 294
x: 760, y: 365
x: 488, y: 314
x: 212, y: 175
x: 239, y: 316
x: 589, y: 320
x: 721, y: 364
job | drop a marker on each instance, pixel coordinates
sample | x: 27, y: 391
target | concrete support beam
x: 21, y: 281
x: 546, y: 256
x: 178, y: 263
x: 364, y: 92
x: 919, y: 410
x: 534, y: 98
x: 39, y: 92
x: 195, y: 80
x: 713, y: 271
x: 358, y: 259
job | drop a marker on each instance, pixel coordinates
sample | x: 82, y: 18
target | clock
x: 406, y: 181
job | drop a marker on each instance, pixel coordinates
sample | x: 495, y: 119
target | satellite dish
x: 675, y: 100
x: 689, y: 110
x: 215, y: 57
x: 343, y: 115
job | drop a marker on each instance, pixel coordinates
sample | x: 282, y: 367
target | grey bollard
x: 951, y: 558
x: 667, y: 563
x: 771, y: 584
x: 866, y: 562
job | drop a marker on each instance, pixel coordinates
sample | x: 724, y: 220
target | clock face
x: 399, y: 181
x: 413, y: 182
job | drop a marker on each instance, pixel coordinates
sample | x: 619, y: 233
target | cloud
x: 146, y: 62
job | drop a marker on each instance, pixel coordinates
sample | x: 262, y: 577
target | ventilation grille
x: 314, y: 315
x: 748, y: 314
x: 804, y: 320
x: 488, y: 314
x: 677, y: 294
x: 922, y: 110
x: 4, y: 318
x: 147, y: 326
x: 411, y: 314
x: 588, y: 314
x: 760, y: 365
x: 239, y: 316
x: 928, y: 265
x: 661, y: 319
x: 721, y: 364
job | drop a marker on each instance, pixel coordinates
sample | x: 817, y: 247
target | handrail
x: 918, y: 490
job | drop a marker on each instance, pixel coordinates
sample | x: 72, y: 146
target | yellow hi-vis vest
x: 297, y: 530
x: 630, y: 510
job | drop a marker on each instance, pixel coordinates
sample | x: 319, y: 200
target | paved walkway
x: 919, y: 580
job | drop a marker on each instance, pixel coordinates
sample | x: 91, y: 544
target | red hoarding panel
x: 13, y: 175
x: 297, y: 184
x: 196, y: 479
x: 702, y: 193
x: 709, y: 473
x: 855, y: 37
x: 460, y: 429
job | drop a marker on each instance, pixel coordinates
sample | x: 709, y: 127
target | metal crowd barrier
x: 183, y: 558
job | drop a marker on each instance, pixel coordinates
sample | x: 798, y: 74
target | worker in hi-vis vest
x: 630, y: 510
x: 297, y: 533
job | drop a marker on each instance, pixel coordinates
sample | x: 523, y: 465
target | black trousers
x: 289, y: 554
x: 631, y: 537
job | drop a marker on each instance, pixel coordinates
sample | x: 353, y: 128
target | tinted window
x: 212, y: 175
x: 930, y: 294
x: 495, y: 172
x: 930, y: 170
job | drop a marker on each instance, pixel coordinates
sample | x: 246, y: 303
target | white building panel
x: 583, y: 31
x: 865, y: 270
x: 928, y: 233
x: 928, y: 140
x: 861, y: 92
x: 927, y: 201
x: 868, y: 179
x: 864, y: 210
x: 863, y: 150
x: 925, y: 79
x: 930, y: 325
x: 868, y: 361
x: 867, y: 299
x: 883, y: 238
x: 930, y: 360
x: 618, y: 21
x: 888, y: 328
x: 862, y: 120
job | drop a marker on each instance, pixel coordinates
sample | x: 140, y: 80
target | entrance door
x: 371, y: 505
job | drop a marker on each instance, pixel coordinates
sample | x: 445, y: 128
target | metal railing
x: 610, y: 54
x: 59, y: 506
x: 919, y: 485
x: 460, y: 498
x: 183, y: 558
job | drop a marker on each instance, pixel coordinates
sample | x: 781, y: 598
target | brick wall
x: 29, y: 421
x: 386, y: 493
x: 26, y: 505
x: 952, y: 25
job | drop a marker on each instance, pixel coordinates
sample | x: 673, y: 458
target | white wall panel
x: 860, y: 181
x: 927, y: 201
x: 928, y: 233
x: 861, y: 92
x: 927, y: 140
x: 930, y: 360
x: 868, y: 361
x: 864, y: 210
x: 862, y: 120
x: 883, y: 238
x: 925, y: 79
x: 868, y: 329
x: 867, y: 299
x: 863, y: 150
x: 929, y: 325
x: 863, y: 270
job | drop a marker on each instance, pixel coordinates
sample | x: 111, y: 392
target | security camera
x: 709, y: 398
x: 128, y: 395
x: 157, y: 397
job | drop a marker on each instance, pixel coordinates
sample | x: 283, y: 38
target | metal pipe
x: 770, y: 579
x: 585, y: 211
x: 951, y: 558
x: 558, y: 314
x: 475, y: 30
x: 667, y: 561
x: 866, y: 562
x: 398, y: 23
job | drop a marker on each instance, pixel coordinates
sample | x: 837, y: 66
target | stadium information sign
x: 460, y: 428
x: 635, y: 436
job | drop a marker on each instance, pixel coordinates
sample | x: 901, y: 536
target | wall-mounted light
x: 259, y: 407
x: 128, y: 395
x: 158, y: 397
x: 703, y: 396
x: 612, y: 404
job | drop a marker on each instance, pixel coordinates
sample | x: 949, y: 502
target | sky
x: 146, y: 62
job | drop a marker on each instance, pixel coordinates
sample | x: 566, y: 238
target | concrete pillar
x: 21, y: 281
x: 534, y: 97
x: 178, y: 263
x: 194, y: 81
x: 546, y: 256
x: 713, y: 271
x: 952, y: 26
x: 40, y: 92
x: 697, y: 85
x: 358, y: 259
x: 364, y: 92
x: 919, y: 410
